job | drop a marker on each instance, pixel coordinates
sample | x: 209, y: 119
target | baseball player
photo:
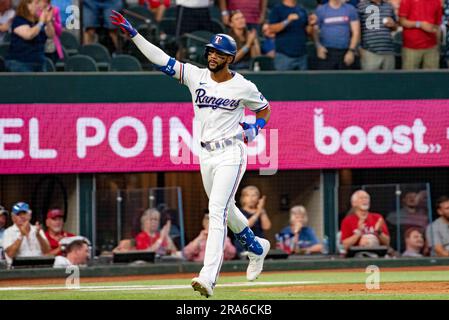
x: 219, y: 97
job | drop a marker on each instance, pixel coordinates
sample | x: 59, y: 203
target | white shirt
x: 219, y: 107
x: 193, y: 3
x: 61, y: 262
x: 4, y: 18
x: 30, y: 246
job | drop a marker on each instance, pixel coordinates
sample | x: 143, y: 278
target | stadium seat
x: 4, y: 48
x: 194, y: 43
x: 124, y: 62
x: 311, y: 55
x: 2, y: 65
x: 99, y: 53
x: 70, y: 43
x: 49, y: 65
x: 218, y: 26
x: 149, y: 32
x: 168, y: 25
x: 60, y: 63
x: 265, y: 63
x: 80, y: 62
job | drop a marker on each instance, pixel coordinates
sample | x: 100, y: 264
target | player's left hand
x: 251, y: 130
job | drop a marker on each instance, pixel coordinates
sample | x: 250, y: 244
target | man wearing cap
x: 23, y: 239
x: 55, y: 230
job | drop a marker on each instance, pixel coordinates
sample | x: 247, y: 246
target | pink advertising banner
x: 139, y: 137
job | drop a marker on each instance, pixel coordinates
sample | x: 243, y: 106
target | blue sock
x: 249, y: 241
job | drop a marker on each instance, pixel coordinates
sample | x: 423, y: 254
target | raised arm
x: 154, y: 54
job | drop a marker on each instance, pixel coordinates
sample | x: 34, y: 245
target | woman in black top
x: 28, y: 37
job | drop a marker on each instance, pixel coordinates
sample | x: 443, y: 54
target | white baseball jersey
x: 219, y: 107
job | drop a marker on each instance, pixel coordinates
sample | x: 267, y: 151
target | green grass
x: 239, y: 293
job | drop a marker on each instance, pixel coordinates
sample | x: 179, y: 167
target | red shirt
x: 54, y: 243
x: 249, y: 8
x: 351, y: 223
x: 144, y: 240
x: 430, y: 11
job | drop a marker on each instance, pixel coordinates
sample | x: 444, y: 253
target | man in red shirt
x: 360, y: 225
x: 421, y: 20
x: 55, y: 230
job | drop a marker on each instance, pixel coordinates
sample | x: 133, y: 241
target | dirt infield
x: 385, y: 288
x: 61, y: 281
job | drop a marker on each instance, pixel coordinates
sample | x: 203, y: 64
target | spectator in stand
x: 23, y: 239
x: 437, y: 233
x: 196, y: 249
x: 6, y: 15
x: 410, y: 216
x: 298, y: 237
x: 421, y: 21
x: 3, y: 222
x: 93, y: 10
x: 414, y: 243
x: 150, y: 238
x: 336, y: 35
x: 254, y: 11
x: 27, y: 47
x: 157, y: 7
x: 53, y: 46
x: 253, y: 208
x: 377, y: 49
x: 290, y: 23
x: 360, y: 222
x: 268, y: 47
x: 75, y: 252
x: 247, y: 41
x: 55, y: 230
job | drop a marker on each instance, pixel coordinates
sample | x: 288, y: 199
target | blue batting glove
x: 250, y: 131
x: 118, y: 20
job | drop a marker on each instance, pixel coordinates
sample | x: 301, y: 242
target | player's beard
x: 218, y: 68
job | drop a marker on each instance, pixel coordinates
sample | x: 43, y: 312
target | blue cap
x: 20, y: 207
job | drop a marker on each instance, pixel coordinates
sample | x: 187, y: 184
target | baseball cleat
x: 202, y: 287
x: 256, y: 262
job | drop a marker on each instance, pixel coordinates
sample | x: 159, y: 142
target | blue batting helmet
x: 222, y: 43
